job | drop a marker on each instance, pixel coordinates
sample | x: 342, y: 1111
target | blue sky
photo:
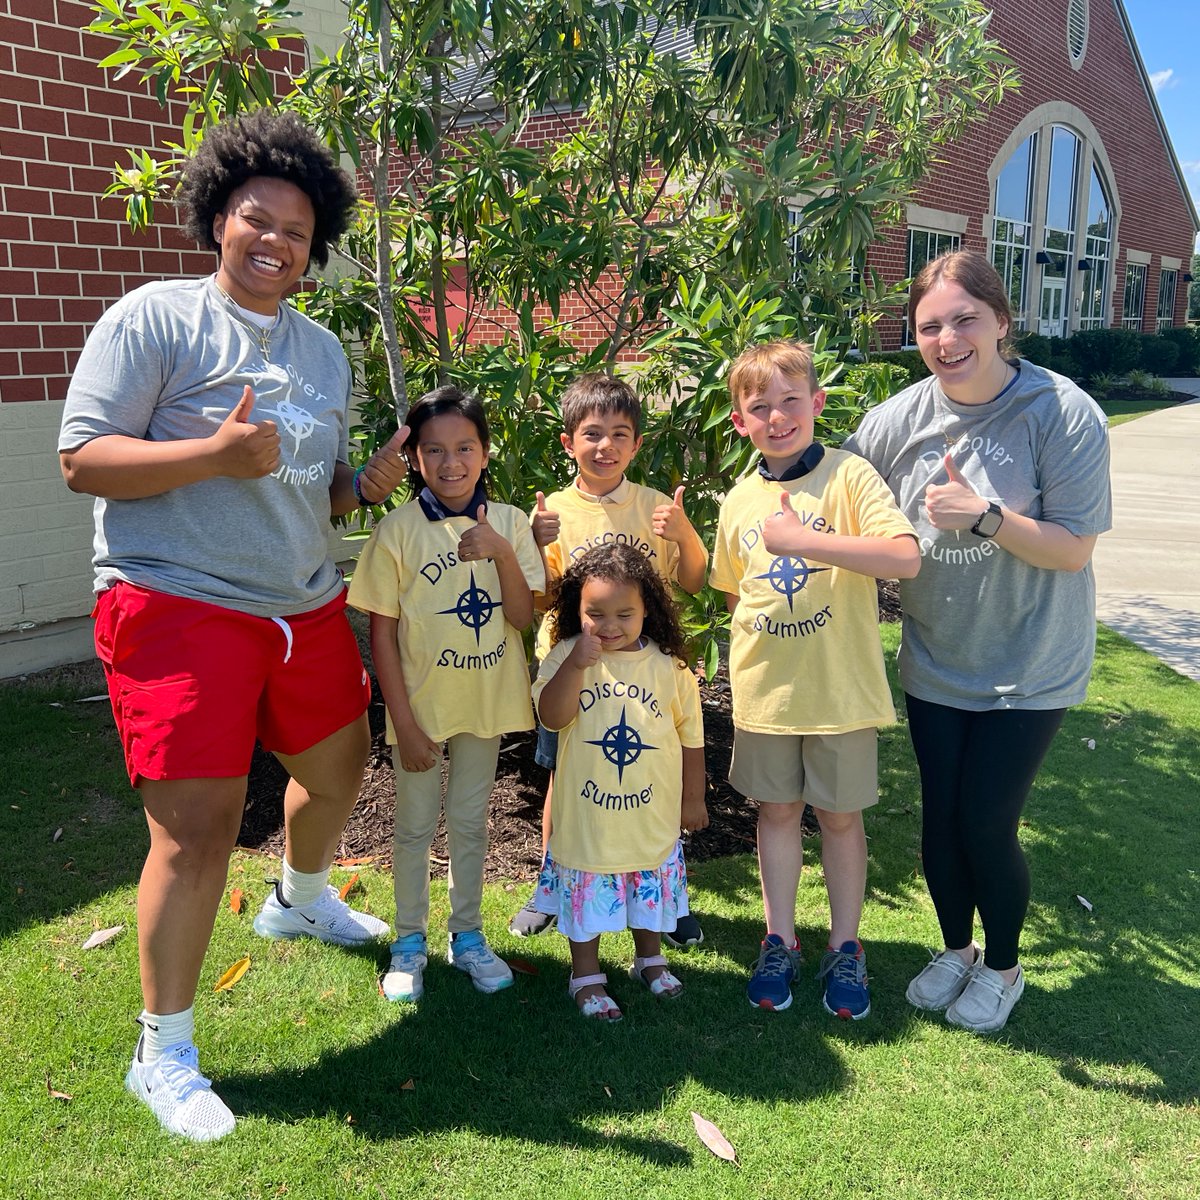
x: 1168, y: 35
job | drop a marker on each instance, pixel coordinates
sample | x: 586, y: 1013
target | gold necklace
x: 260, y: 333
x: 945, y: 412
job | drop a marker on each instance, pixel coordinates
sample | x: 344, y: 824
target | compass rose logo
x: 296, y: 422
x: 474, y: 608
x: 622, y: 745
x: 788, y: 576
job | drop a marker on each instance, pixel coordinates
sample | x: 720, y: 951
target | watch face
x: 989, y: 523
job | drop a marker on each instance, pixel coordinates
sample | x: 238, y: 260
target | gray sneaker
x: 986, y: 1002
x: 528, y: 922
x: 942, y: 981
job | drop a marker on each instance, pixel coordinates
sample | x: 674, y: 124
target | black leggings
x: 976, y: 772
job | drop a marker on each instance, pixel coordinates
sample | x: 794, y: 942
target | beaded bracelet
x: 356, y: 484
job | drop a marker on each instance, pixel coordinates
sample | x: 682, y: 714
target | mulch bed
x: 514, y: 814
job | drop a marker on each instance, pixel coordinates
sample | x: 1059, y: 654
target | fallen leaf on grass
x: 54, y: 1093
x: 348, y: 886
x: 1085, y: 902
x: 354, y: 862
x: 57, y: 834
x: 608, y: 1091
x: 239, y: 968
x: 522, y: 966
x: 235, y: 900
x: 713, y: 1138
x: 100, y: 936
x: 408, y: 1086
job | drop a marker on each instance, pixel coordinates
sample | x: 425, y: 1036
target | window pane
x: 1012, y: 187
x: 1060, y: 197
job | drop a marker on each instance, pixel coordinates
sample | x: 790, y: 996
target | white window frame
x: 1133, y: 309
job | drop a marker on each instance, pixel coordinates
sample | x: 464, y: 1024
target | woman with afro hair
x: 209, y: 419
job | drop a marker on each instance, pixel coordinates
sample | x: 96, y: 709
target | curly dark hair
x: 265, y: 143
x: 439, y: 402
x: 620, y: 563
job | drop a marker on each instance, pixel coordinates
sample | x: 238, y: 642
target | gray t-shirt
x: 983, y: 629
x: 169, y: 361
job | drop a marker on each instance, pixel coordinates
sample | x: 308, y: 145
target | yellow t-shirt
x: 626, y: 514
x: 804, y: 651
x: 618, y: 785
x: 464, y: 664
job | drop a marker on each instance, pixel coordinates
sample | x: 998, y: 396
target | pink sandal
x: 665, y: 986
x: 602, y: 1007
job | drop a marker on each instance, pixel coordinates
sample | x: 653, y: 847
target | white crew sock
x: 299, y: 888
x: 161, y: 1031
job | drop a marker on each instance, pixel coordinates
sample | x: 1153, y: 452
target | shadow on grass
x: 522, y: 1064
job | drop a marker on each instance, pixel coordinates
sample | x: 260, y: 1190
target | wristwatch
x: 989, y: 522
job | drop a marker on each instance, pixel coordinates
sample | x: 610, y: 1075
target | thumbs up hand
x: 545, y: 523
x: 670, y: 522
x: 245, y: 450
x: 482, y: 540
x: 586, y: 651
x: 386, y: 469
x: 954, y: 504
x: 784, y: 533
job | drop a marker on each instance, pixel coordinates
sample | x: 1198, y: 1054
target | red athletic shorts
x: 193, y: 684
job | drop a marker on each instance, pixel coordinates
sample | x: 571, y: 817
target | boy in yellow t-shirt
x: 602, y: 431
x: 800, y: 542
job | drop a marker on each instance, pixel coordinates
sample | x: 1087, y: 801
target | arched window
x: 1012, y: 224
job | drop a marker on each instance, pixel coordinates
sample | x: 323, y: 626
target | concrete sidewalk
x: 1148, y: 566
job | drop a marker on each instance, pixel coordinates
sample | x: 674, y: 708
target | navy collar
x: 435, y: 510
x: 808, y: 461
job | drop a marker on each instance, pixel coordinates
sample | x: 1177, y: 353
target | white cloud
x: 1162, y: 81
x: 1191, y: 168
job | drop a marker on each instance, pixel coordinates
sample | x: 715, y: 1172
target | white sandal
x: 665, y: 986
x: 602, y: 1007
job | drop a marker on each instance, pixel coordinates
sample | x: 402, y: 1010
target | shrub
x: 1033, y: 347
x: 1159, y: 354
x: 1187, y: 341
x: 1111, y: 351
x: 910, y: 360
x: 876, y: 381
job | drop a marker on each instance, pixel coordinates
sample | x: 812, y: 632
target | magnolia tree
x: 694, y: 175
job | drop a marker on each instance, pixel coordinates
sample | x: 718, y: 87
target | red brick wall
x: 1109, y: 89
x: 65, y: 252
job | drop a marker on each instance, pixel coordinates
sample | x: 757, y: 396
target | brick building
x: 1071, y: 186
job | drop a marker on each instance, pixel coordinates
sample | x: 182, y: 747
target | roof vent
x: 1077, y: 30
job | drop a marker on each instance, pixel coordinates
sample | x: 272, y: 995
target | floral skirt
x: 588, y: 903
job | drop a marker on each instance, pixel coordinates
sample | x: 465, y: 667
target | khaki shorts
x: 837, y: 772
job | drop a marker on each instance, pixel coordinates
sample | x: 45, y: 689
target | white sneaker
x: 942, y: 981
x: 404, y: 979
x: 328, y: 918
x: 178, y: 1095
x: 470, y: 952
x: 985, y: 1004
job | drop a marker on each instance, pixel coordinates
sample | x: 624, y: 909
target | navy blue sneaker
x: 770, y: 985
x: 845, y: 973
x: 687, y: 933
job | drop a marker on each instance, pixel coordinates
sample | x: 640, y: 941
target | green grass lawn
x: 1121, y: 406
x: 1091, y: 1092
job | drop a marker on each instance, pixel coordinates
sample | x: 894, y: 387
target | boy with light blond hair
x: 800, y: 543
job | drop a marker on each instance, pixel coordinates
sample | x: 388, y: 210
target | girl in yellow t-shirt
x: 630, y: 768
x: 448, y: 580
